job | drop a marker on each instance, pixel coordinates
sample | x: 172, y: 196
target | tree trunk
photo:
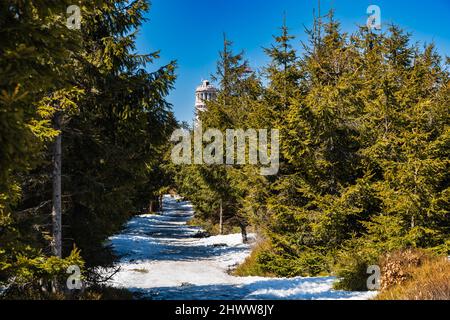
x: 150, y: 207
x: 161, y: 203
x: 244, y: 233
x: 221, y: 218
x: 56, y: 198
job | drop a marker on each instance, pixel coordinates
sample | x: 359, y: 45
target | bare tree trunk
x: 150, y: 207
x: 56, y: 199
x: 221, y: 218
x: 161, y: 203
x: 244, y: 233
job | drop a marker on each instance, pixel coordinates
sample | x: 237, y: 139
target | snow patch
x: 160, y: 259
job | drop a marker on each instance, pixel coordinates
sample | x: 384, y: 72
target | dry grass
x: 413, y: 275
x: 106, y: 293
x: 397, y: 267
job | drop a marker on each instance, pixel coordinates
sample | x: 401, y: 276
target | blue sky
x: 191, y: 31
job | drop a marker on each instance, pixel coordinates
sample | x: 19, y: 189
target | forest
x: 364, y: 163
x: 85, y: 129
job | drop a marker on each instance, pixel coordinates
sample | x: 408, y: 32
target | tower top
x: 206, y: 86
x: 204, y: 93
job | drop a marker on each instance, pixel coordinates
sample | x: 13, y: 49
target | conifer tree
x: 115, y: 122
x: 37, y: 45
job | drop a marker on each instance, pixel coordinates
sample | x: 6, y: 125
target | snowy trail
x: 160, y: 259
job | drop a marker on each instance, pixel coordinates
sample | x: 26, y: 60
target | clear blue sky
x: 191, y: 32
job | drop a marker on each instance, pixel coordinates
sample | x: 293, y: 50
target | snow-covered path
x: 160, y: 259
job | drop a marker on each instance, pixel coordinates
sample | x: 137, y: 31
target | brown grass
x: 413, y: 275
x: 397, y: 267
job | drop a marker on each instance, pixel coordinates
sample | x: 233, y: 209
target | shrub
x: 40, y: 277
x: 252, y: 266
x: 266, y: 261
x: 351, y: 269
x: 383, y: 234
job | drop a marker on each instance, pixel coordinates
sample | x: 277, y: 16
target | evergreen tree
x: 115, y: 123
x: 34, y: 52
